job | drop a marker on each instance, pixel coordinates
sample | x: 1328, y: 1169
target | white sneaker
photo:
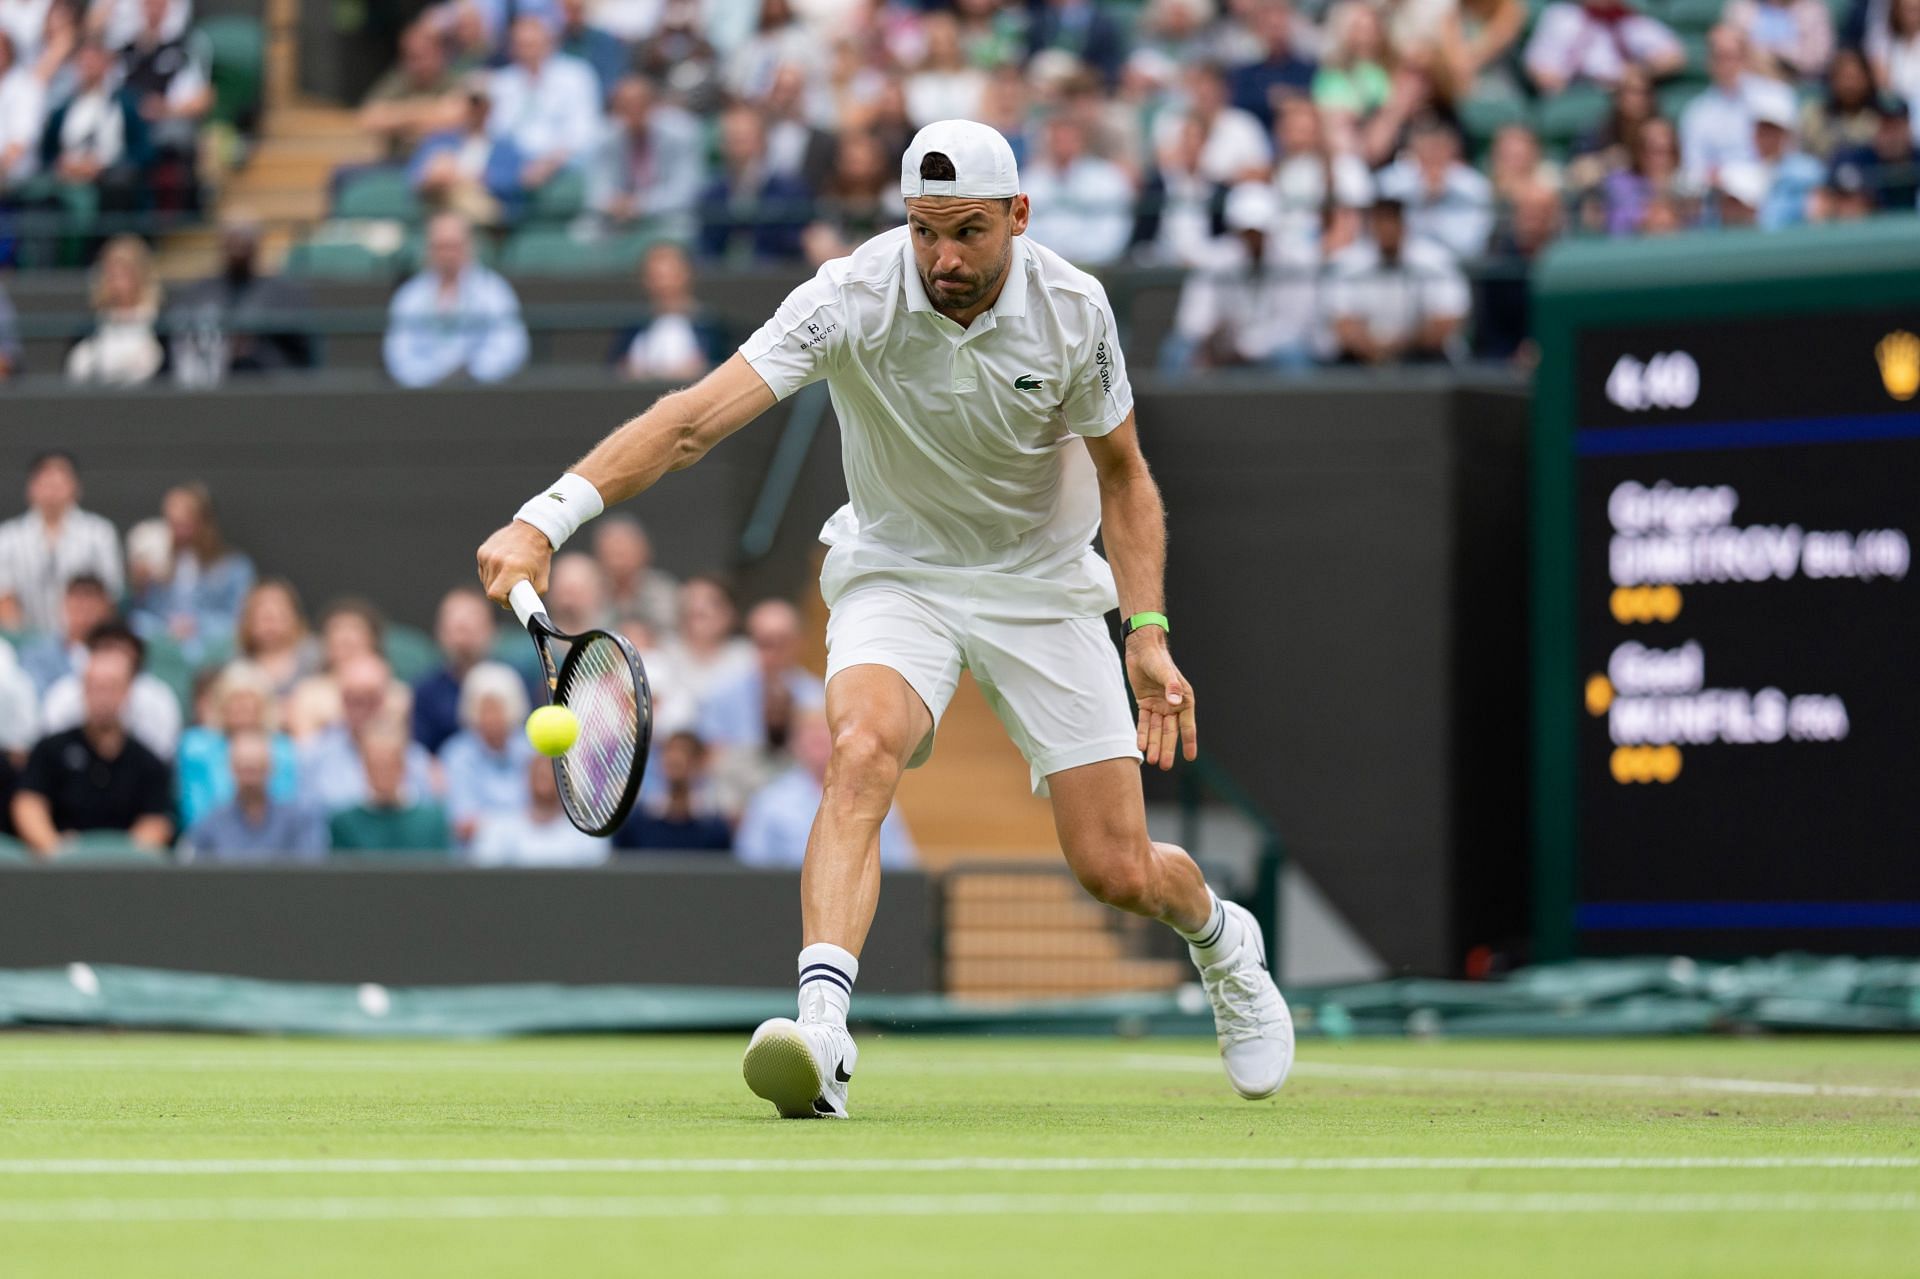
x: 803, y: 1068
x: 1250, y: 1017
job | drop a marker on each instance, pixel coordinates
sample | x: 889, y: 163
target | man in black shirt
x: 173, y: 95
x: 96, y: 777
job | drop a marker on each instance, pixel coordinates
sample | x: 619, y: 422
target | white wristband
x: 559, y: 512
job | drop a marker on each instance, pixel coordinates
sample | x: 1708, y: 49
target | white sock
x: 826, y: 982
x: 1217, y: 938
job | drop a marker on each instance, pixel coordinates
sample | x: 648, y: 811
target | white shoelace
x: 1243, y: 1004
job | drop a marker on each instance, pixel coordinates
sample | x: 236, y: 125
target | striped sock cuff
x: 1216, y: 926
x: 823, y: 961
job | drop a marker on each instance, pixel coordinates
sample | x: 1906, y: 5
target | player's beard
x: 947, y: 300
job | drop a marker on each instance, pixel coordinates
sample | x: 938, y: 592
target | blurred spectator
x: 1716, y: 128
x: 1082, y: 205
x: 577, y: 594
x: 678, y: 340
x: 463, y: 629
x: 779, y: 40
x: 122, y: 348
x: 350, y: 629
x: 704, y: 650
x: 684, y: 816
x: 1502, y: 323
x: 650, y: 164
x: 456, y: 318
x: 1309, y: 178
x: 240, y: 320
x: 796, y: 149
x: 23, y: 113
x: 1598, y: 40
x: 1178, y: 32
x: 945, y: 86
x: 1281, y: 73
x: 470, y: 169
x: 96, y: 139
x: 1447, y: 202
x: 1237, y: 148
x: 1790, y: 39
x: 679, y: 57
x: 1115, y: 126
x: 1395, y: 298
x: 19, y: 718
x: 861, y: 197
x: 95, y: 777
x: 1475, y: 48
x: 539, y: 834
x: 1777, y: 185
x: 394, y: 813
x: 1652, y: 174
x: 486, y: 761
x: 1352, y: 81
x: 992, y: 32
x: 174, y: 96
x: 198, y: 606
x: 24, y: 24
x: 1850, y: 112
x: 547, y: 103
x: 747, y: 718
x: 1609, y: 147
x: 1515, y: 164
x: 273, y: 635
x: 415, y: 99
x: 637, y: 587
x: 51, y: 656
x: 1173, y: 221
x: 242, y: 702
x: 1255, y: 302
x: 9, y: 338
x: 774, y: 829
x: 119, y: 22
x: 51, y: 544
x: 1850, y: 191
x: 1084, y: 29
x: 749, y: 212
x: 331, y: 775
x: 1893, y: 48
x: 261, y: 822
x: 497, y: 17
x: 604, y: 54
x: 150, y: 711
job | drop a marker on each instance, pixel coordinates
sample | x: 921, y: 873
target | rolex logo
x: 1899, y: 356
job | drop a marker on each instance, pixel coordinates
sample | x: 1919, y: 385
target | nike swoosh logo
x: 840, y: 1074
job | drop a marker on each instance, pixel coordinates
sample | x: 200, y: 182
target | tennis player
x: 987, y: 434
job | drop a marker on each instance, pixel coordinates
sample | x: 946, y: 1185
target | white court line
x: 1380, y: 1163
x: 504, y: 1208
x: 1674, y: 1083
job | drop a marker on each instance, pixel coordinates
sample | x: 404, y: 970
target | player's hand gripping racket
x: 601, y: 680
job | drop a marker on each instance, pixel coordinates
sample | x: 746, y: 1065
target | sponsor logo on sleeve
x: 1105, y: 365
x: 817, y: 333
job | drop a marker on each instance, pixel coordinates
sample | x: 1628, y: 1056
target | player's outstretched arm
x: 1133, y: 524
x: 673, y: 434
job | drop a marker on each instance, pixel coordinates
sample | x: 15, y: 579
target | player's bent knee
x: 1123, y: 881
x: 863, y: 762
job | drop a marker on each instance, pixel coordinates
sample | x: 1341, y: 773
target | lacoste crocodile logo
x: 1027, y: 382
x: 558, y: 497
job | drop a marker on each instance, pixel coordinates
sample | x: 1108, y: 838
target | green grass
x: 115, y: 1098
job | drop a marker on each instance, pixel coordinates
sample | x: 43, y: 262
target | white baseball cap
x: 983, y: 164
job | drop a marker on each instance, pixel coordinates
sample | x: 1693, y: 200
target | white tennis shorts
x: 1057, y: 684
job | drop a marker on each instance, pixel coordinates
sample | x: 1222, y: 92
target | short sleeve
x: 38, y: 775
x: 1099, y: 397
x: 806, y: 338
x: 1443, y: 291
x: 156, y: 787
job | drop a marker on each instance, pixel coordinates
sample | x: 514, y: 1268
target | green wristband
x: 1138, y: 620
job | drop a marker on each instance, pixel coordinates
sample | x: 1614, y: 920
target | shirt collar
x: 1012, y: 302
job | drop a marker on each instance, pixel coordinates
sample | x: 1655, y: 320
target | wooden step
x: 1029, y: 978
x: 1034, y: 945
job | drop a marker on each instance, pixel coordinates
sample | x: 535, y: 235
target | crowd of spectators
x: 1343, y: 180
x: 159, y: 696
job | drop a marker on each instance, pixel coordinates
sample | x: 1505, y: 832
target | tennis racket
x: 602, y: 681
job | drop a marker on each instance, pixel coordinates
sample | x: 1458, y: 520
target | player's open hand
x: 517, y: 553
x: 1167, y: 723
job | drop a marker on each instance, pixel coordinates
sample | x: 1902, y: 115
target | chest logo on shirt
x: 1027, y: 382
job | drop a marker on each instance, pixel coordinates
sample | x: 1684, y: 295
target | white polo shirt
x: 963, y: 467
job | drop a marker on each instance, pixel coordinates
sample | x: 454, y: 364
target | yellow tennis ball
x: 552, y: 729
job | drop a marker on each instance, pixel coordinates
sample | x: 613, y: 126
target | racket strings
x: 600, y: 691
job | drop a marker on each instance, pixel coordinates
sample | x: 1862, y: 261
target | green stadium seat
x: 563, y: 197
x: 557, y: 251
x: 1484, y: 115
x: 410, y: 651
x: 1676, y: 94
x: 236, y: 48
x: 1696, y: 43
x: 1689, y: 16
x: 166, y: 663
x: 335, y: 260
x: 106, y: 846
x: 412, y: 255
x: 378, y: 193
x: 1571, y: 114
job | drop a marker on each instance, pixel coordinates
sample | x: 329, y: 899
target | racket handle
x: 526, y: 602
